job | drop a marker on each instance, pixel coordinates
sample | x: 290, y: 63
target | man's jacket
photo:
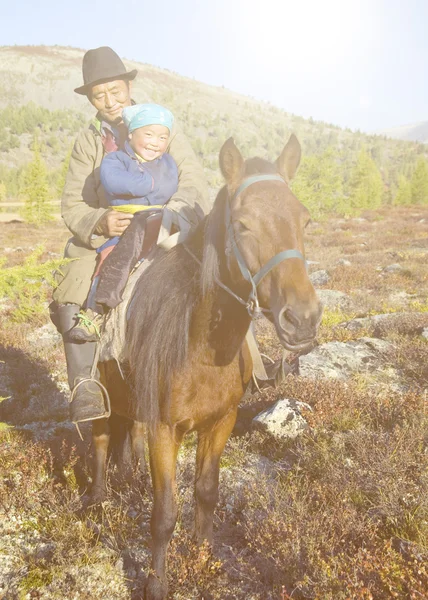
x: 84, y: 203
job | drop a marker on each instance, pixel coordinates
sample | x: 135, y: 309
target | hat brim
x: 84, y: 89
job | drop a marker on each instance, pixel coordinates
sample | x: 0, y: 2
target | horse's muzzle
x: 297, y: 328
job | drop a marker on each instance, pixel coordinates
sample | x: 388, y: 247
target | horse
x: 188, y: 362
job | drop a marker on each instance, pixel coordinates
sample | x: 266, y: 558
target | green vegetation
x: 37, y: 208
x: 420, y: 183
x: 319, y: 184
x: 366, y: 184
x: 26, y: 285
x: 54, y: 131
x: 342, y: 172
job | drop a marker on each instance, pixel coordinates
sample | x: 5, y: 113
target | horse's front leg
x: 163, y: 448
x: 210, y: 447
x: 100, y: 441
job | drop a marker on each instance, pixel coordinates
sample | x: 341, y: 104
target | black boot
x: 276, y: 373
x: 88, y: 400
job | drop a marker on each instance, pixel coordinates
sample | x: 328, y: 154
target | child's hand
x: 113, y: 223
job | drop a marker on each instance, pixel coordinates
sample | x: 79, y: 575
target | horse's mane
x: 164, y: 301
x: 163, y: 304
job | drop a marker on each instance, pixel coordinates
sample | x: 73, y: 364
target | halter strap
x: 255, y: 179
x: 254, y: 280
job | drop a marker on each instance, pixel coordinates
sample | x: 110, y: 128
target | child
x: 139, y: 179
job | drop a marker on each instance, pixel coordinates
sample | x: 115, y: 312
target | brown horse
x: 188, y: 360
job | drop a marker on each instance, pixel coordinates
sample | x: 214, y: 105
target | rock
x: 402, y: 322
x: 394, y: 268
x: 359, y: 220
x: 342, y: 262
x: 319, y: 277
x: 5, y: 304
x: 400, y: 298
x: 47, y: 335
x: 340, y: 360
x: 282, y: 421
x: 334, y: 299
x: 424, y: 333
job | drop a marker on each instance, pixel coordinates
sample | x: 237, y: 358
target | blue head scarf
x: 140, y: 115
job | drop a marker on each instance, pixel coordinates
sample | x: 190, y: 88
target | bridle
x: 252, y: 303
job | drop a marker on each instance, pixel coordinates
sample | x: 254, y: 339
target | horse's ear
x: 288, y: 163
x: 231, y: 163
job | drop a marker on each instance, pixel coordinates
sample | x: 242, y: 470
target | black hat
x: 100, y: 65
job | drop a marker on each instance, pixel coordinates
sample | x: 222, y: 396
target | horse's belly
x: 205, y: 393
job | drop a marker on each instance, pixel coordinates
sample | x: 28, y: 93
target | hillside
x: 43, y: 78
x: 416, y: 132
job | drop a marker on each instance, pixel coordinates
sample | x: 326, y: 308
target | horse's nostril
x: 288, y: 316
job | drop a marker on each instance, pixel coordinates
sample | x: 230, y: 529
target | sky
x: 360, y: 64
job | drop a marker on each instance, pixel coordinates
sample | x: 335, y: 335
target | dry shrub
x: 401, y: 324
x: 350, y: 519
x: 410, y: 355
x: 192, y: 570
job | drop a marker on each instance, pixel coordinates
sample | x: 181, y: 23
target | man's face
x: 149, y: 141
x: 110, y: 99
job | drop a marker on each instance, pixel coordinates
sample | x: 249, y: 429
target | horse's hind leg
x: 138, y: 449
x: 100, y: 440
x: 210, y: 447
x: 163, y: 448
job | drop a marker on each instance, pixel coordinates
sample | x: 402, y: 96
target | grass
x: 339, y: 513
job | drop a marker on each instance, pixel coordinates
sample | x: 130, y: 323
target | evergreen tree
x: 420, y: 182
x: 37, y: 208
x: 63, y: 173
x: 319, y: 184
x: 403, y: 195
x: 365, y: 185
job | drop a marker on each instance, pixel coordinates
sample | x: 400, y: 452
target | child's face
x: 149, y: 141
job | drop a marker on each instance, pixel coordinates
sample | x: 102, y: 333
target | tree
x: 319, y: 184
x: 365, y: 185
x: 37, y: 208
x: 3, y: 192
x: 420, y: 182
x: 63, y: 173
x: 403, y: 195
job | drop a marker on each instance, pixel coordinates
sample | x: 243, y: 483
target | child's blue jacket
x: 126, y: 180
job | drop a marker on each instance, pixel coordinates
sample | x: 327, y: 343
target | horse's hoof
x: 97, y: 497
x: 155, y: 589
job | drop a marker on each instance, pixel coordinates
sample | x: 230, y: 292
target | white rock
x: 343, y: 262
x: 334, y: 299
x: 394, y: 268
x: 283, y: 420
x: 340, y: 360
x: 47, y: 335
x: 319, y: 277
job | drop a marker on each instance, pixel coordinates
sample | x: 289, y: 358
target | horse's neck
x: 220, y: 324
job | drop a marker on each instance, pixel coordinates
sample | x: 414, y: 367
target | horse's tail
x: 158, y: 332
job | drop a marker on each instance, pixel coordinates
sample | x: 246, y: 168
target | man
x: 107, y: 85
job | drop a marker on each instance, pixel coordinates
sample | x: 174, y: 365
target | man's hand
x: 113, y: 223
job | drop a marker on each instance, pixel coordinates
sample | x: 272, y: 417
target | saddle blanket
x: 112, y: 343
